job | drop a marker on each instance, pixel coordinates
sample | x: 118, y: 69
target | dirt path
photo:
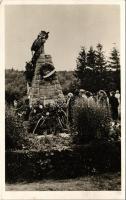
x: 108, y: 181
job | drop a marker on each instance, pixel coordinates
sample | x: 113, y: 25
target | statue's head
x: 43, y: 35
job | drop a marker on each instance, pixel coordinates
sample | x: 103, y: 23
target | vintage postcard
x: 62, y: 99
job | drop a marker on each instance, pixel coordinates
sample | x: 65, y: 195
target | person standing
x: 113, y: 101
x: 91, y: 101
x: 103, y: 100
x: 82, y: 94
x: 117, y: 95
x: 69, y: 107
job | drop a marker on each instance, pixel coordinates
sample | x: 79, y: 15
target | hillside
x: 15, y: 83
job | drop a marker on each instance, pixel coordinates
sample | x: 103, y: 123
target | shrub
x: 14, y: 131
x: 115, y: 132
x: 96, y: 157
x: 90, y: 122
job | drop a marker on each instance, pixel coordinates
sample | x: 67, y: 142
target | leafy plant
x: 90, y: 122
x: 14, y: 130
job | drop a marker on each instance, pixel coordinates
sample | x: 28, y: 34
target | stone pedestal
x: 45, y: 90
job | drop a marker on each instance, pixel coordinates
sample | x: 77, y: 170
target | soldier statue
x: 47, y: 70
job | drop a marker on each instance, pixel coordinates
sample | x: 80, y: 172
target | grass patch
x: 103, y: 182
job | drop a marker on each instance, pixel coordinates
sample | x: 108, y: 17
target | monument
x: 42, y: 80
x: 43, y: 88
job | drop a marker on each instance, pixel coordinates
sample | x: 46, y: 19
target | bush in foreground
x: 90, y: 122
x: 94, y: 158
x: 14, y: 131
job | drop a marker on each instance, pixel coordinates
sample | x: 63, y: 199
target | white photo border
x: 61, y: 194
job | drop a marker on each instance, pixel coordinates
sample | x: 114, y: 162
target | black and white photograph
x: 63, y: 98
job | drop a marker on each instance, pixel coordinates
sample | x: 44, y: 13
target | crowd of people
x: 111, y: 101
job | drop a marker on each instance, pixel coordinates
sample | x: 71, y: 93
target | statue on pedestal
x: 44, y: 89
x: 47, y: 68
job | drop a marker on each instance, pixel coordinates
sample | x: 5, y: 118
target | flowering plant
x: 51, y: 118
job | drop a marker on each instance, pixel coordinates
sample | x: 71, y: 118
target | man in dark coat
x: 113, y: 101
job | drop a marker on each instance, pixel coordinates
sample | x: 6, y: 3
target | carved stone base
x: 45, y: 90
